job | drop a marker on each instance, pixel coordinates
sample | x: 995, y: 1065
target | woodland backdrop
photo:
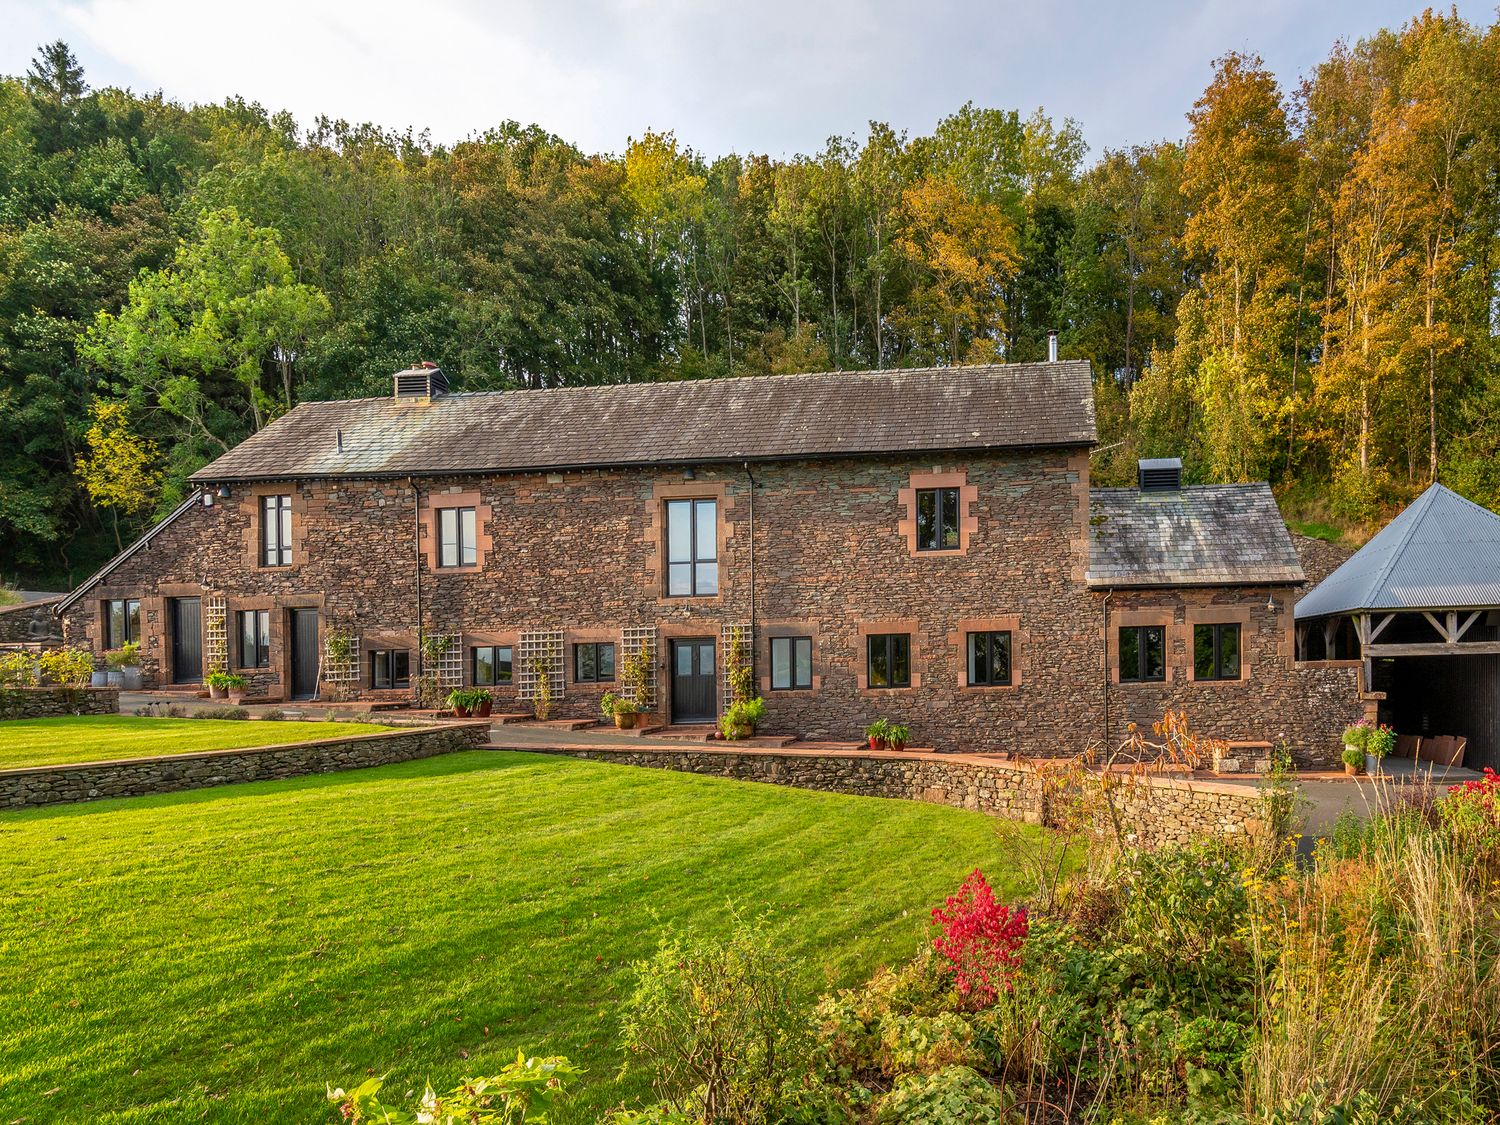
x: 1305, y: 290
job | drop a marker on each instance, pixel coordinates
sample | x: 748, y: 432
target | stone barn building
x: 921, y: 545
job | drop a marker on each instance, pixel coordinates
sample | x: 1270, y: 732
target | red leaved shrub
x: 981, y: 940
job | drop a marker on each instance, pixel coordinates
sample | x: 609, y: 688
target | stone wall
x: 135, y: 777
x: 51, y: 701
x: 1162, y: 810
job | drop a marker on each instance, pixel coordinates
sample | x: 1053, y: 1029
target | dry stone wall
x: 1159, y: 810
x: 51, y: 702
x: 48, y: 785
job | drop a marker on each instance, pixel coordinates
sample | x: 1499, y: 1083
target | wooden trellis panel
x: 340, y: 670
x: 632, y: 640
x: 544, y: 646
x: 728, y: 636
x: 449, y: 668
x: 215, y: 633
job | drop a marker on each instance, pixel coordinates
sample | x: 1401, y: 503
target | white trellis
x: 340, y: 657
x: 632, y: 640
x: 729, y: 636
x: 215, y: 633
x: 539, y: 652
x: 449, y: 665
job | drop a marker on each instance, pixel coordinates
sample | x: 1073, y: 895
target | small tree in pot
x: 622, y: 710
x: 1354, y: 760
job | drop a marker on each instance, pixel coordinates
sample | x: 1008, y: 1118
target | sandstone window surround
x: 1162, y: 619
x: 254, y: 634
x: 932, y: 501
x: 121, y: 618
x: 915, y: 661
x: 390, y: 668
x: 798, y: 632
x: 455, y: 531
x: 594, y: 662
x: 791, y: 663
x: 492, y: 665
x: 1212, y: 617
x: 276, y: 526
x: 961, y: 640
x: 682, y: 561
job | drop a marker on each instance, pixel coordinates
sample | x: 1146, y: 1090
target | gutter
x: 103, y: 572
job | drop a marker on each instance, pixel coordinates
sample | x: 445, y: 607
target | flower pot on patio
x: 114, y: 678
x: 99, y: 679
x: 625, y: 720
x: 236, y: 696
x: 460, y: 712
x: 1372, y: 764
x: 485, y: 708
x: 216, y: 692
x: 132, y: 677
x: 1352, y: 771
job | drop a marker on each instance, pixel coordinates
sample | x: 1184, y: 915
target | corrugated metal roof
x: 1443, y: 552
x: 831, y: 414
x: 1202, y: 535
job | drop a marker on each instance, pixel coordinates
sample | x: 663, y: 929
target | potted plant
x: 459, y: 701
x: 481, y: 702
x: 235, y: 686
x: 877, y: 732
x: 623, y: 711
x: 896, y: 735
x: 130, y: 668
x: 1378, y: 743
x: 740, y: 720
x: 1354, y: 761
x: 117, y: 659
x: 218, y: 684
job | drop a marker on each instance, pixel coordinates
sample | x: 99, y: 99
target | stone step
x: 507, y: 718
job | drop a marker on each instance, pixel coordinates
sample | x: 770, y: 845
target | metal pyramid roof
x: 1442, y: 552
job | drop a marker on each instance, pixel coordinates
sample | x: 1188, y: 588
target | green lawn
x: 97, y: 738
x: 219, y: 955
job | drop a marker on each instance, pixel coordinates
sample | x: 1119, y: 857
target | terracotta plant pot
x: 214, y: 692
x: 237, y: 696
x: 874, y: 743
x: 460, y: 712
x: 625, y: 720
x: 896, y: 746
x: 485, y: 708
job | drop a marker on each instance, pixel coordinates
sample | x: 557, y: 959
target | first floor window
x: 1143, y: 653
x: 594, y: 663
x: 276, y: 530
x: 937, y: 519
x: 122, y: 622
x: 791, y: 663
x: 1216, y: 652
x: 390, y: 668
x: 692, y: 548
x: 492, y: 664
x: 989, y: 659
x: 457, y: 540
x: 255, y: 638
x: 889, y: 660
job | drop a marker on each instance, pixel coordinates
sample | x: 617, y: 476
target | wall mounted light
x: 208, y: 499
x: 223, y: 492
x: 689, y: 474
x: 1271, y: 604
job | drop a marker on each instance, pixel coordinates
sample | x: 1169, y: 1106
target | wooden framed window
x: 888, y: 660
x: 989, y: 659
x: 276, y: 530
x: 390, y: 668
x: 122, y: 621
x: 255, y: 638
x: 791, y: 663
x: 458, y: 540
x: 491, y: 665
x: 1143, y: 653
x: 937, y: 519
x: 692, y: 548
x: 1216, y: 651
x: 594, y: 662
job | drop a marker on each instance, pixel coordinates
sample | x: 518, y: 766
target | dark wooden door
x: 304, y: 633
x: 187, y: 640
x: 693, y: 681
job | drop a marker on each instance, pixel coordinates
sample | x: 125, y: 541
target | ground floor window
x: 390, y: 668
x: 122, y: 621
x: 989, y: 659
x: 491, y: 665
x: 1216, y: 652
x: 791, y: 663
x: 1143, y: 653
x: 594, y: 662
x: 888, y: 658
x: 255, y: 638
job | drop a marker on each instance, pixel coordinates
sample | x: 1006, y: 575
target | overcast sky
x: 776, y: 76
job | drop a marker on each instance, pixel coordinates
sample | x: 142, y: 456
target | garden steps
x: 506, y: 718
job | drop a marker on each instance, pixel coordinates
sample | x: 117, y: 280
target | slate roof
x: 1199, y: 535
x: 1442, y: 552
x: 781, y: 417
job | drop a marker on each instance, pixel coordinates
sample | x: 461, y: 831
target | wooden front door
x: 694, y: 685
x: 302, y: 628
x: 186, y: 616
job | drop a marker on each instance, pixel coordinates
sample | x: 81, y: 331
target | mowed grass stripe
x: 103, y: 738
x: 218, y: 955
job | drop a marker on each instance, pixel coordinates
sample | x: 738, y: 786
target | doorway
x: 302, y: 628
x: 186, y: 616
x: 693, y: 682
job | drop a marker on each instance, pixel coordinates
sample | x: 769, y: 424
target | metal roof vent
x: 1160, y: 474
x: 421, y: 382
